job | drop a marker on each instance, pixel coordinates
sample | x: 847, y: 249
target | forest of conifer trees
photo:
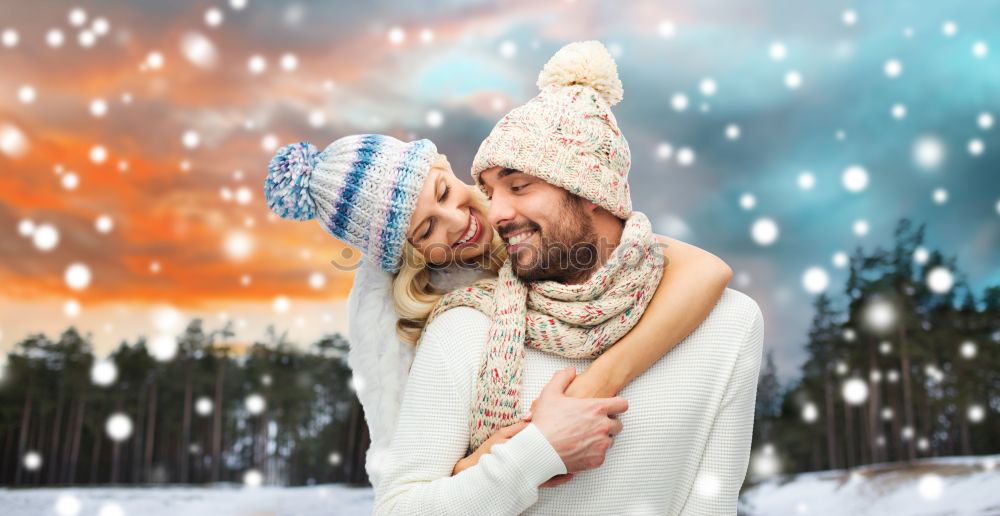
x: 903, y: 364
x: 197, y: 418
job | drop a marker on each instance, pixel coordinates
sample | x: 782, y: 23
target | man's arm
x: 727, y: 452
x: 432, y: 434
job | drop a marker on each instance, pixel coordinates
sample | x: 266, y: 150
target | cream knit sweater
x: 683, y: 450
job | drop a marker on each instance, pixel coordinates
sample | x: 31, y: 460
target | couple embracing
x: 527, y: 344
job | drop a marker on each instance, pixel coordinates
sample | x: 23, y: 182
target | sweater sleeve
x: 432, y: 434
x: 727, y: 452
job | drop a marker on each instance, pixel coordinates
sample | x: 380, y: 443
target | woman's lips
x: 479, y: 231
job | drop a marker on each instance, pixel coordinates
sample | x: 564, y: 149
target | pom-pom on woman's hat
x: 361, y: 188
x: 567, y: 135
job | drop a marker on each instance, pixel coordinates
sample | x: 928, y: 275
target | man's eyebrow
x: 504, y: 172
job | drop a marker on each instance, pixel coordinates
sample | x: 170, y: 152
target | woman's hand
x: 594, y: 383
x: 503, y: 435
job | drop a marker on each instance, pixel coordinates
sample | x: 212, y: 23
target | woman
x: 423, y: 232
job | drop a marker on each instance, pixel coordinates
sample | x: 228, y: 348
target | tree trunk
x: 24, y: 429
x: 53, y: 463
x: 904, y: 357
x: 150, y: 432
x: 186, y: 428
x: 217, y: 422
x: 77, y: 438
x: 848, y: 436
x: 831, y: 441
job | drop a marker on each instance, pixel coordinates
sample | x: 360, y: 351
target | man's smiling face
x: 548, y: 231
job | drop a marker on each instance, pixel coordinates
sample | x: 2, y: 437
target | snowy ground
x: 939, y: 487
x: 188, y: 501
x: 943, y: 486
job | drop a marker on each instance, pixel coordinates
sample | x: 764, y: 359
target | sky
x: 135, y: 137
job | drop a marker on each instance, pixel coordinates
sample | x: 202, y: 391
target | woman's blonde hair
x: 414, y: 296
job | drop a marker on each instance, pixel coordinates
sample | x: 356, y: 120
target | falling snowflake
x: 54, y: 38
x: 98, y: 154
x: 257, y: 64
x: 104, y: 224
x: 255, y: 404
x: 103, y: 373
x: 893, y: 68
x: 685, y: 156
x: 98, y: 108
x: 396, y: 36
x: 940, y: 196
x: 898, y: 111
x: 708, y: 87
x: 839, y: 259
x: 238, y: 245
x: 815, y: 280
x: 118, y: 426
x: 45, y: 237
x: 940, y: 280
x: 317, y: 280
x: 664, y: 150
x: 764, y: 231
x: 203, y: 406
x: 508, y: 49
x: 71, y: 308
x: 793, y: 79
x: 777, y: 51
x: 976, y: 147
x: 806, y: 180
x: 860, y: 227
x: 930, y: 486
x: 809, y: 413
x: 13, y: 143
x: 281, y: 304
x: 666, y: 28
x: 26, y: 94
x: 32, y: 460
x: 77, y: 276
x: 199, y: 50
x: 679, y: 102
x: 855, y: 178
x: 434, y: 118
x: 213, y: 17
x: 253, y: 478
x: 733, y: 132
x: 289, y: 62
x: 855, y: 391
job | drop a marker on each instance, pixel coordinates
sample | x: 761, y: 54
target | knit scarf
x: 574, y: 321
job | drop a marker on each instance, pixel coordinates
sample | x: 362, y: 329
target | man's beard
x: 568, y: 250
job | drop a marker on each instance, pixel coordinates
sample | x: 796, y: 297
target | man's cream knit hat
x: 567, y: 135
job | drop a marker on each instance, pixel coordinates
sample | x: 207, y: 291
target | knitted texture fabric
x: 574, y: 321
x: 567, y: 135
x: 362, y: 189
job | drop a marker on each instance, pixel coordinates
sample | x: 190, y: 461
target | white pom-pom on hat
x: 586, y: 63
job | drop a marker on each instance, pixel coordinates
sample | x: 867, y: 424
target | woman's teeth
x: 469, y: 233
x: 520, y: 237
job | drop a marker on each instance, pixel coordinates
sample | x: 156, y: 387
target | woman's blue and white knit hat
x: 362, y: 189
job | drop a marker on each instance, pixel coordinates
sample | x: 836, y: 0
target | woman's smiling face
x: 446, y: 225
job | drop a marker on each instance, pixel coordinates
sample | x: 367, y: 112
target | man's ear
x: 589, y: 206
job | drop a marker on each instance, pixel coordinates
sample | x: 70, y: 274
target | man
x: 555, y: 170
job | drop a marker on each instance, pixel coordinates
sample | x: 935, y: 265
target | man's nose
x: 501, y: 211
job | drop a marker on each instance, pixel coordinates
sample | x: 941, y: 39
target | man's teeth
x: 520, y: 237
x: 469, y: 233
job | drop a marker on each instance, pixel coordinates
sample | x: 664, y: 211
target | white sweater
x: 684, y: 447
